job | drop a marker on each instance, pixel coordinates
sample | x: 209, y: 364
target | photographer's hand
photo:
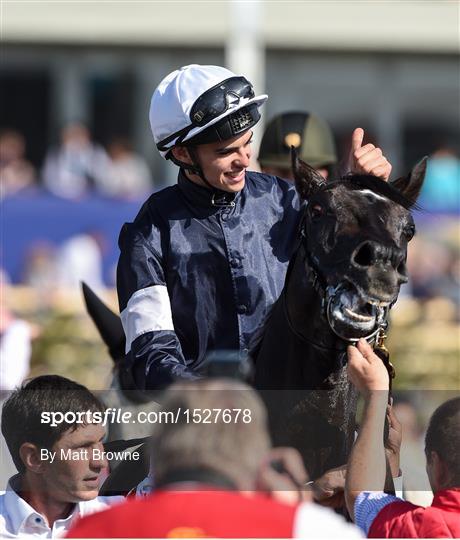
x: 283, y: 475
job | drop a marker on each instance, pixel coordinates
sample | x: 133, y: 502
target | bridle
x: 328, y: 293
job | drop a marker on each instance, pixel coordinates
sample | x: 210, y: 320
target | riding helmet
x: 306, y: 132
x: 201, y: 104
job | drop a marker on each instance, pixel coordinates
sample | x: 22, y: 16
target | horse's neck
x: 298, y: 349
x: 304, y: 307
x: 301, y: 372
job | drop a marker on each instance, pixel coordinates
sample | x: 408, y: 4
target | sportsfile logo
x: 110, y: 415
x: 118, y: 416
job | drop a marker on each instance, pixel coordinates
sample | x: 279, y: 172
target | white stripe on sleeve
x: 148, y: 310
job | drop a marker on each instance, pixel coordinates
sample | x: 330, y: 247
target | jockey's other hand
x: 367, y: 159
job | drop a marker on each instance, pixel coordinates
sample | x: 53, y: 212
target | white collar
x: 22, y: 515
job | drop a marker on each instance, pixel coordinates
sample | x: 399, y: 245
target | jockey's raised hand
x: 367, y: 159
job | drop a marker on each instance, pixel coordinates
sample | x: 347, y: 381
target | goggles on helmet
x: 211, y: 104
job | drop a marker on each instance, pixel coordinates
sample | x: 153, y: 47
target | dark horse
x: 341, y: 282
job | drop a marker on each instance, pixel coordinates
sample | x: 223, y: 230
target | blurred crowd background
x: 77, y: 158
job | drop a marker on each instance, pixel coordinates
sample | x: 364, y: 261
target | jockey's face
x: 76, y: 473
x: 224, y: 163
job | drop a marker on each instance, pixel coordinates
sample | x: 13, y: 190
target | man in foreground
x: 216, y: 476
x: 381, y: 515
x: 58, y: 478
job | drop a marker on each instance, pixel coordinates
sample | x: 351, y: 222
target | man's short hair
x: 212, y: 439
x: 22, y: 412
x: 443, y: 436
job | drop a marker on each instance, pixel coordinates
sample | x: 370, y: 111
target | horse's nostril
x: 364, y: 255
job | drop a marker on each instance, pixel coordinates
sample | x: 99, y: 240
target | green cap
x: 305, y: 131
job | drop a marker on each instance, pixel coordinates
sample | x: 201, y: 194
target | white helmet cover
x: 174, y: 97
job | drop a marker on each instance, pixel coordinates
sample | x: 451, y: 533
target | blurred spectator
x: 434, y: 255
x: 207, y: 474
x: 441, y: 189
x: 15, y: 349
x: 48, y: 494
x: 380, y: 514
x: 5, y: 279
x: 80, y: 259
x: 308, y: 133
x: 77, y: 166
x: 130, y: 176
x: 16, y: 173
x: 40, y: 267
x: 434, y: 267
x: 15, y: 344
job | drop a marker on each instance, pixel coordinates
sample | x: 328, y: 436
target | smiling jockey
x: 204, y: 260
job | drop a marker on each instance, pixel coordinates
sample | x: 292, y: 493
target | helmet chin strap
x: 197, y: 167
x: 219, y: 197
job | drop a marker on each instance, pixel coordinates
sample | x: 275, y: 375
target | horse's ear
x: 307, y: 179
x: 107, y: 322
x: 411, y: 185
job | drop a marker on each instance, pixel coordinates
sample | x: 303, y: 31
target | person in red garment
x: 216, y: 476
x: 381, y: 515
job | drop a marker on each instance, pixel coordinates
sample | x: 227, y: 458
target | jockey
x: 205, y: 260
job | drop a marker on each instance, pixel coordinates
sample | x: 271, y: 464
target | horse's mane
x: 378, y: 186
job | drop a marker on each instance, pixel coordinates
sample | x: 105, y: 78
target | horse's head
x: 356, y: 230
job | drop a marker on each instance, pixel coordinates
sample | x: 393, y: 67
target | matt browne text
x: 83, y: 454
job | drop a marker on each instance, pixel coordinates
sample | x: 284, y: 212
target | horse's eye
x: 409, y: 231
x: 316, y: 211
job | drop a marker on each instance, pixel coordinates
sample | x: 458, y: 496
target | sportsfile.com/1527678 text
x: 118, y: 416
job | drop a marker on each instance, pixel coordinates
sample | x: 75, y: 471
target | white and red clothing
x: 222, y: 514
x: 384, y: 516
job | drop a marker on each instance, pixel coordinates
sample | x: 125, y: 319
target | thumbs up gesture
x: 367, y: 159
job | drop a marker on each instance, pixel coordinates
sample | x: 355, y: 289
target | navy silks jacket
x: 194, y: 278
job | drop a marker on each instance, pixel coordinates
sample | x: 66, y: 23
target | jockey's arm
x: 153, y: 351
